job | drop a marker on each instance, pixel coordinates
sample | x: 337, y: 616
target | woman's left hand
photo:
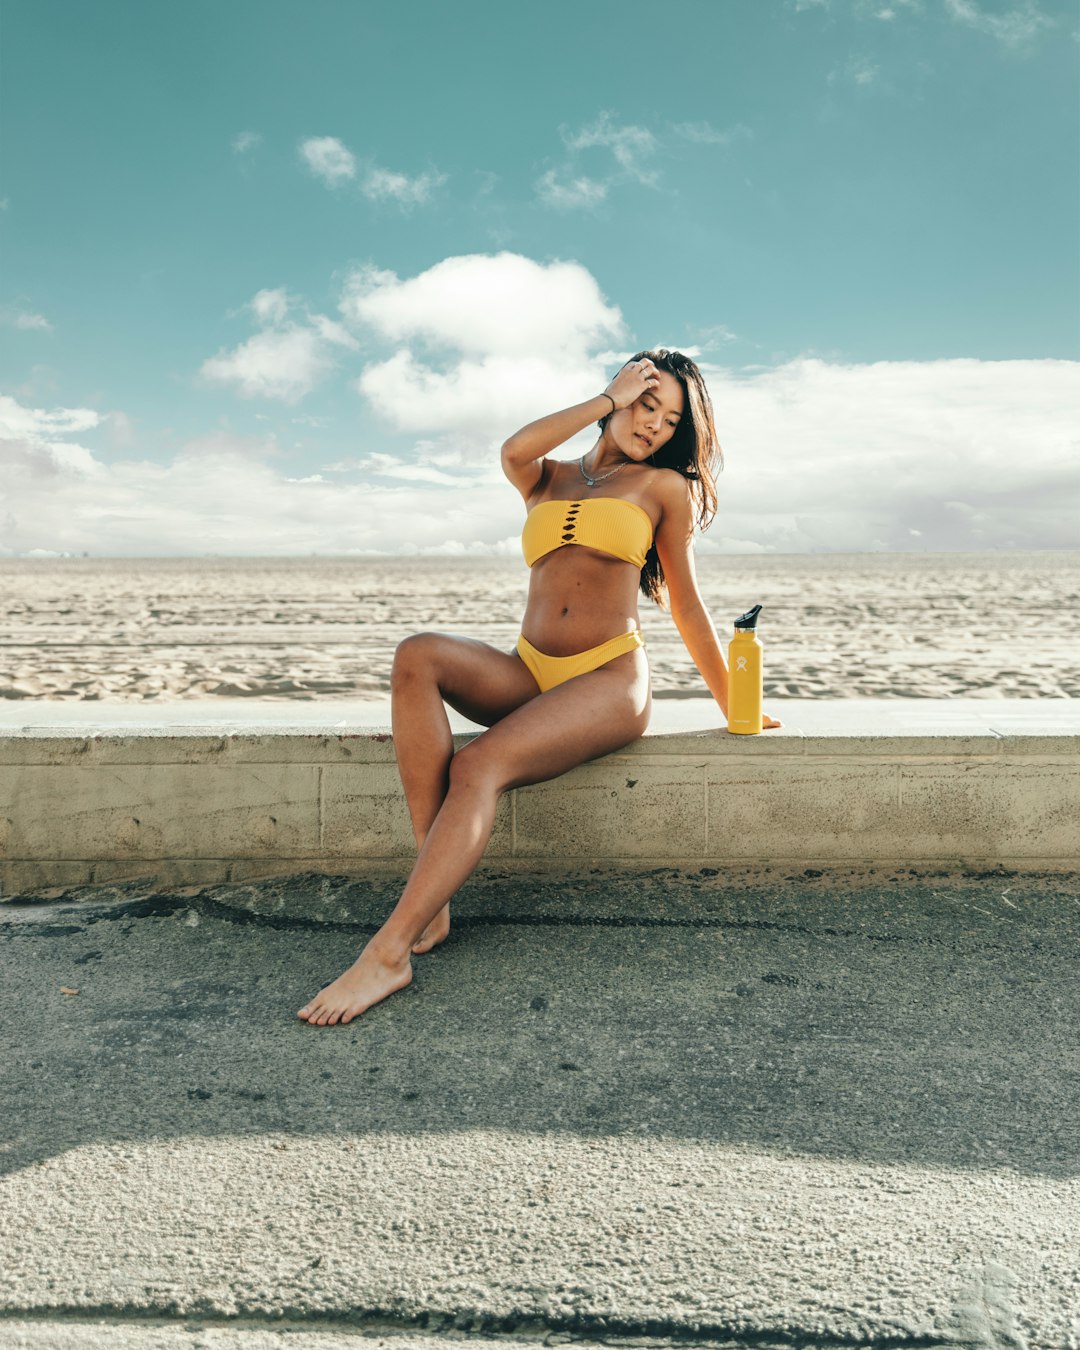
x: 767, y: 722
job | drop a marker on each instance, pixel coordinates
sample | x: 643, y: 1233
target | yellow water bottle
x: 744, y: 676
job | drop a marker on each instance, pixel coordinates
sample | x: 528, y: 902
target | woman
x: 577, y: 686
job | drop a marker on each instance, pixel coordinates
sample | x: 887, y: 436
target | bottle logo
x: 740, y: 663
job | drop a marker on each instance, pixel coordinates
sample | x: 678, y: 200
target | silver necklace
x: 592, y: 481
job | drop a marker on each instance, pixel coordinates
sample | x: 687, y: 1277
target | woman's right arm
x: 523, y: 452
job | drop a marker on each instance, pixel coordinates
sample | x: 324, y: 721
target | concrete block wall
x: 190, y: 805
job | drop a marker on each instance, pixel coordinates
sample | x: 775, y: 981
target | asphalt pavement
x: 650, y: 1107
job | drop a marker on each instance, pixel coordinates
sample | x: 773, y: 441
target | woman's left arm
x: 675, y: 548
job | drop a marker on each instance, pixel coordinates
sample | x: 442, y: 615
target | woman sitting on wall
x: 619, y: 519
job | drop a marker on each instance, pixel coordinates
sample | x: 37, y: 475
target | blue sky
x: 280, y: 276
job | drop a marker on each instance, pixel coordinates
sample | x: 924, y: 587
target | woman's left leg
x: 588, y: 716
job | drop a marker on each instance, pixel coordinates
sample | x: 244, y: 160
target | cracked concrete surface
x: 648, y: 1107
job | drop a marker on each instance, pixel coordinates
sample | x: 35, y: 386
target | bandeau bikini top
x: 611, y: 524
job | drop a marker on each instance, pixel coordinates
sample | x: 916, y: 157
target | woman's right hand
x: 635, y: 379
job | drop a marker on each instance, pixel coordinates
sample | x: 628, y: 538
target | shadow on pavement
x: 896, y: 1019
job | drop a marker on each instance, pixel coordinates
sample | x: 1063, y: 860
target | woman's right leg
x: 477, y: 680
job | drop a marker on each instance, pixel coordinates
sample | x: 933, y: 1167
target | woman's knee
x: 473, y: 766
x: 414, y: 655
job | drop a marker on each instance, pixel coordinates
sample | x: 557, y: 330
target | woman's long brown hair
x: 693, y: 451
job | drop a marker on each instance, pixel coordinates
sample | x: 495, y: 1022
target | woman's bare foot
x: 437, y: 931
x: 373, y: 976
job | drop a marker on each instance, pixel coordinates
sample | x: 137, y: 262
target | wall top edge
x: 292, y: 744
x: 55, y: 730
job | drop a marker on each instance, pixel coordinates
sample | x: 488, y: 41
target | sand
x: 925, y: 625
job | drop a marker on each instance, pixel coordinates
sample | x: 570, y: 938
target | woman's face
x: 650, y: 422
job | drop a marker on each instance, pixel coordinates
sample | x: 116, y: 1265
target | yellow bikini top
x: 611, y: 524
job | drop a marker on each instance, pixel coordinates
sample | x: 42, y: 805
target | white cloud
x: 974, y: 454
x: 1013, y: 28
x: 333, y: 162
x: 859, y: 70
x: 451, y: 451
x: 874, y: 9
x: 392, y: 466
x: 219, y: 495
x: 246, y: 140
x: 685, y: 348
x: 36, y: 423
x: 940, y: 455
x: 34, y: 461
x: 270, y: 306
x: 509, y: 339
x: 385, y: 184
x: 715, y: 335
x: 630, y: 145
x: 119, y: 429
x: 285, y: 361
x: 704, y: 133
x: 567, y: 188
x: 285, y: 365
x: 29, y: 452
x: 571, y: 194
x: 482, y: 399
x: 27, y: 320
x: 328, y: 159
x: 333, y: 332
x: 492, y: 304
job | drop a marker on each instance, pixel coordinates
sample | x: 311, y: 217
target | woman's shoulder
x: 671, y: 488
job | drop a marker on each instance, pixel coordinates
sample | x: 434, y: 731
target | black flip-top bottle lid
x: 749, y: 619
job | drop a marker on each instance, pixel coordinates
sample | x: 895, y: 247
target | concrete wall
x: 189, y: 805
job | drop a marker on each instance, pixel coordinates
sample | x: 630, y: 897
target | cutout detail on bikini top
x: 596, y: 522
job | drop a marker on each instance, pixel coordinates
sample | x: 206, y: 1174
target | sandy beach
x: 928, y: 625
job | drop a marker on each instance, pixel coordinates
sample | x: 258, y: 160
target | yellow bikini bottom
x: 548, y: 671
